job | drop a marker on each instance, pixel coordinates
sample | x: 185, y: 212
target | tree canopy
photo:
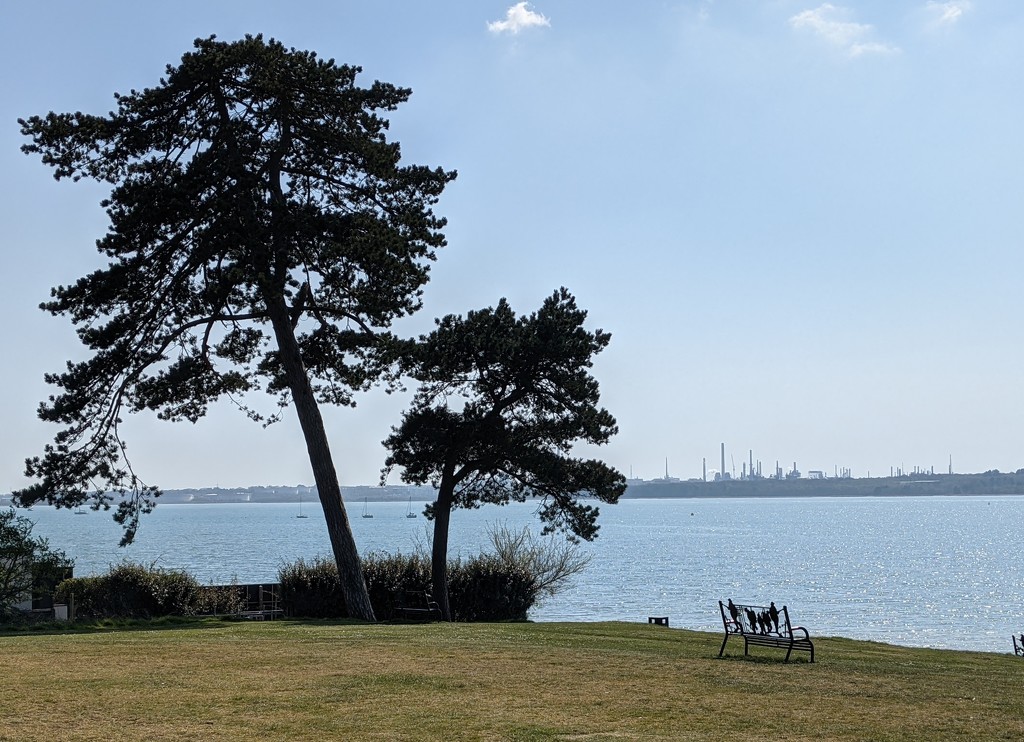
x: 263, y: 235
x: 502, y: 400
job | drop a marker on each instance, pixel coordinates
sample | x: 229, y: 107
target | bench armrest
x: 801, y: 628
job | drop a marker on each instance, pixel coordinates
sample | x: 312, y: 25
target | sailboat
x: 300, y: 515
x: 365, y: 513
x: 410, y: 513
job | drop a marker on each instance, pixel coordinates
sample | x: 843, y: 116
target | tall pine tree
x: 502, y: 400
x: 263, y: 235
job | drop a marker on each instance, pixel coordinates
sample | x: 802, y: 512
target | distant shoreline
x: 989, y: 484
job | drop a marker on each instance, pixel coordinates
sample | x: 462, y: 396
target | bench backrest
x: 414, y: 599
x: 739, y: 618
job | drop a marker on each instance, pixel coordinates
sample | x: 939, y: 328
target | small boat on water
x: 301, y: 515
x: 409, y: 513
x: 366, y: 513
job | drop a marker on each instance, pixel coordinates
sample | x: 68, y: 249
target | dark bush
x: 311, y: 589
x: 132, y: 591
x: 221, y: 600
x: 389, y: 575
x: 81, y: 592
x: 481, y: 589
x: 484, y: 588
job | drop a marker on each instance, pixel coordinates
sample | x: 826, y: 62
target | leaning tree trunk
x: 350, y: 572
x: 439, y: 552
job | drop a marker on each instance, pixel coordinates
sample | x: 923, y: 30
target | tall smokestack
x: 723, y: 462
x: 704, y: 467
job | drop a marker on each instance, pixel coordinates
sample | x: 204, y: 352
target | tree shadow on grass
x: 765, y: 659
x: 164, y: 623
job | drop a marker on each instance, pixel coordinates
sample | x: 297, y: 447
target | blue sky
x: 800, y: 221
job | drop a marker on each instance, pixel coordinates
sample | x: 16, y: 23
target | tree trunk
x: 439, y: 552
x: 350, y: 571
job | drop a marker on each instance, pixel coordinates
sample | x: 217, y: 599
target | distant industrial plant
x: 751, y: 470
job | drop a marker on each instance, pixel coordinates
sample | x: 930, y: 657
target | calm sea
x: 918, y: 571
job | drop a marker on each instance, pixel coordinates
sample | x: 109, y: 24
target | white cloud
x: 947, y: 13
x: 833, y: 24
x: 871, y: 47
x: 827, y: 22
x: 517, y: 18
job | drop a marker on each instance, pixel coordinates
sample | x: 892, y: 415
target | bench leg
x: 723, y: 645
x: 790, y: 650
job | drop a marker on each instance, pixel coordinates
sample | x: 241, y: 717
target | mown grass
x: 286, y: 680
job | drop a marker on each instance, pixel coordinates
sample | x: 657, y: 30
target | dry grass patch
x: 609, y: 681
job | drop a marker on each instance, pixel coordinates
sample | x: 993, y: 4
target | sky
x: 800, y: 221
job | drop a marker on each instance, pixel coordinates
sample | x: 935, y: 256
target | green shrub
x: 132, y: 591
x: 311, y: 589
x: 483, y: 588
x: 84, y: 593
x: 221, y: 600
x: 389, y: 575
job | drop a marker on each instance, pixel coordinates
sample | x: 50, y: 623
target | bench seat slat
x: 416, y: 605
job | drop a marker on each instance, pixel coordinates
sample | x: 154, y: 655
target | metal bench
x: 416, y: 605
x: 764, y: 626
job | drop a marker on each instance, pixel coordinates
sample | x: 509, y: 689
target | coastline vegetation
x: 502, y: 584
x: 215, y: 679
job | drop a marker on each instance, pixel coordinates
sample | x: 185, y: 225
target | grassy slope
x: 603, y: 681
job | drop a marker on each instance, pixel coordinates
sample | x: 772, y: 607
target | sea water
x: 917, y: 571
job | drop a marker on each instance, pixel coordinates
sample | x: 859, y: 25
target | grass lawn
x: 286, y: 680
